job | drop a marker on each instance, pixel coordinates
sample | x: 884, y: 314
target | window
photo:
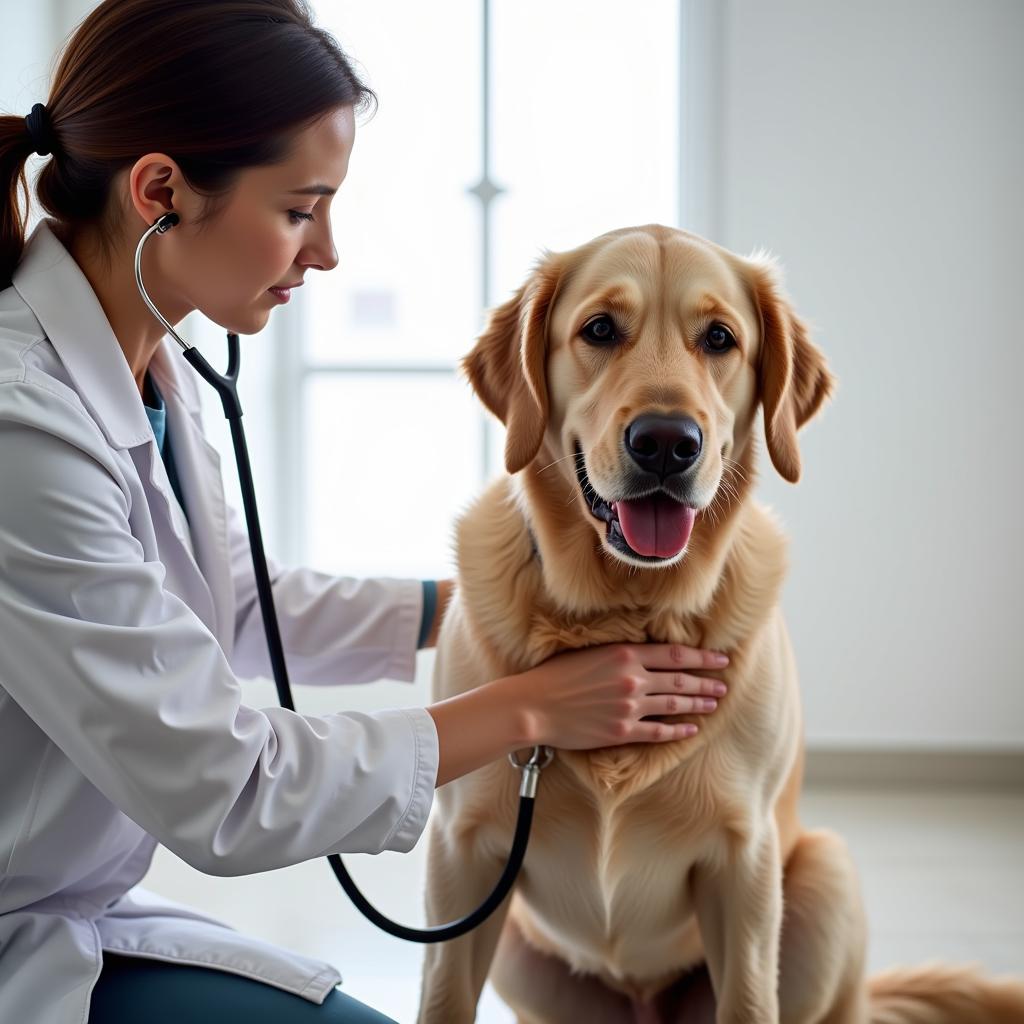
x: 503, y: 129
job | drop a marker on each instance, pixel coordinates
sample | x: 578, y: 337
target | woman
x: 128, y: 609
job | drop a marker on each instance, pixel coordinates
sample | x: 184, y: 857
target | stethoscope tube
x: 226, y: 386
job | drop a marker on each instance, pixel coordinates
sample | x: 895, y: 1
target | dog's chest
x: 549, y: 631
x: 630, y: 768
x: 610, y: 887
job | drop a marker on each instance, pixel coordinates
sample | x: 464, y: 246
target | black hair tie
x: 41, y: 131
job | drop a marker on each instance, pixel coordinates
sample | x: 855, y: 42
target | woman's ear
x: 793, y: 377
x: 507, y: 367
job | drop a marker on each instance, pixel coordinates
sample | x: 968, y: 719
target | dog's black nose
x: 664, y: 444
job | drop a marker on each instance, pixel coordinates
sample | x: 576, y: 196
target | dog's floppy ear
x: 507, y: 367
x: 793, y: 377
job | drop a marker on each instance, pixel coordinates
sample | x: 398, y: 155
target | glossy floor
x: 943, y: 878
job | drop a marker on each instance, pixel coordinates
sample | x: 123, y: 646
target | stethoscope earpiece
x: 168, y: 220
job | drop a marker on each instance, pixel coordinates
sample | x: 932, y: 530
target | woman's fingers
x: 670, y: 704
x: 680, y: 682
x: 677, y: 656
x: 659, y: 732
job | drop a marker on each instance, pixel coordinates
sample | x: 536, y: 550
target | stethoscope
x: 226, y: 386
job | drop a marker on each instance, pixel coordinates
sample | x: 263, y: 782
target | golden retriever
x: 663, y: 882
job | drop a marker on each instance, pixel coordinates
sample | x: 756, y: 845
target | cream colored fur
x: 661, y: 880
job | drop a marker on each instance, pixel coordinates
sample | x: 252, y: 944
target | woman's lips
x: 284, y: 292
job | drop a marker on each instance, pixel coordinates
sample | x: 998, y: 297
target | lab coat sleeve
x: 334, y: 629
x: 134, y: 689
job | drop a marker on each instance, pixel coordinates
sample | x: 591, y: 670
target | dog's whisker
x: 571, y: 455
x: 737, y: 477
x: 712, y: 509
x: 735, y: 468
x: 730, y: 491
x: 733, y: 475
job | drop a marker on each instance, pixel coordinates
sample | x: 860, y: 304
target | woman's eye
x: 719, y: 339
x: 600, y: 331
x: 297, y: 216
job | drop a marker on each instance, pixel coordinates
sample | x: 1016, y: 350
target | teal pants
x: 133, y: 989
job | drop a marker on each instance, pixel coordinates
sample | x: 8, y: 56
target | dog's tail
x: 939, y: 994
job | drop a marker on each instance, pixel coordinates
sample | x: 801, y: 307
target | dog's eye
x: 719, y: 339
x: 600, y: 331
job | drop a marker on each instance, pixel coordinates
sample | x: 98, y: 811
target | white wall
x: 26, y: 49
x: 877, y: 149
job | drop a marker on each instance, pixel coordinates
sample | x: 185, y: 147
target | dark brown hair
x: 219, y: 85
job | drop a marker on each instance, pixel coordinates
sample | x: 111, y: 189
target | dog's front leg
x: 459, y: 879
x: 739, y: 907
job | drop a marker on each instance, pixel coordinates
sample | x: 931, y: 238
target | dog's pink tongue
x: 656, y: 526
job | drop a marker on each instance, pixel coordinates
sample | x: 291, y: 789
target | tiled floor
x: 943, y: 878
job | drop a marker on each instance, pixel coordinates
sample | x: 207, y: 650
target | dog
x: 668, y: 882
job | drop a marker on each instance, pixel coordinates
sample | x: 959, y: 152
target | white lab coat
x: 122, y: 723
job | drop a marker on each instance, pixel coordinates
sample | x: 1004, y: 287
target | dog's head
x: 638, y: 362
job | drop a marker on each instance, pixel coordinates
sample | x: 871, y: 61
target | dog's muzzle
x: 654, y: 527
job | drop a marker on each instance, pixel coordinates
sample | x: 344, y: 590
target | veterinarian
x: 128, y: 610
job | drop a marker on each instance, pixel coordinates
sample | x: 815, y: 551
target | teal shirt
x: 157, y: 413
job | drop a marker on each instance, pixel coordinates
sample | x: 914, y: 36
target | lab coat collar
x: 199, y: 469
x: 59, y: 294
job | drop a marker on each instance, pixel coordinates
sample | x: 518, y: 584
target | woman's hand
x: 576, y: 700
x: 596, y: 697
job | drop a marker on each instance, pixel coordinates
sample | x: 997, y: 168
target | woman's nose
x: 322, y: 254
x: 330, y: 259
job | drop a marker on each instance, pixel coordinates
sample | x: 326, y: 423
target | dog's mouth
x: 653, y: 528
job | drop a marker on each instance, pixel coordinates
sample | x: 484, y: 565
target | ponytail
x: 16, y: 146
